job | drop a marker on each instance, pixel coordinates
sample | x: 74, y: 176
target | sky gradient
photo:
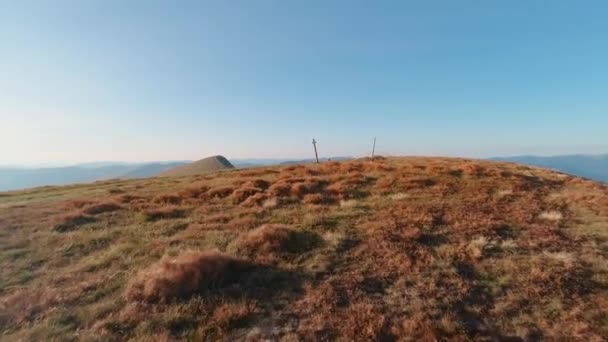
x: 92, y: 80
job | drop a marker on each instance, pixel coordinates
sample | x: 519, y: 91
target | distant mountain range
x: 13, y: 178
x: 588, y: 166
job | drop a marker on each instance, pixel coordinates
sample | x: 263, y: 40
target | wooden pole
x: 314, y: 144
x: 374, y: 148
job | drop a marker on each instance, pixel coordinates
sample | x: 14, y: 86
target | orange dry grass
x: 280, y: 189
x: 316, y: 199
x: 184, y: 276
x: 168, y: 212
x: 472, y: 169
x: 168, y: 199
x: 268, y: 242
x: 255, y: 200
x: 257, y: 183
x: 71, y: 221
x: 194, y: 191
x: 241, y: 194
x: 101, y: 207
x: 220, y: 192
x: 233, y: 315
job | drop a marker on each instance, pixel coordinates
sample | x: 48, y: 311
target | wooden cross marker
x: 314, y: 144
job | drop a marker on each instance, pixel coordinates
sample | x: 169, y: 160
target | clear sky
x: 89, y: 80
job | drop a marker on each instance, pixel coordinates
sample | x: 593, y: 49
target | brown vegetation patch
x: 77, y: 203
x: 168, y: 199
x: 257, y: 183
x: 234, y: 315
x: 255, y: 200
x: 280, y: 189
x: 185, y: 275
x: 271, y: 241
x: 316, y: 199
x: 101, y: 207
x: 346, y: 189
x: 220, y: 192
x: 126, y: 198
x: 308, y: 186
x: 71, y: 221
x: 472, y: 169
x: 167, y: 212
x: 196, y: 191
x: 241, y: 194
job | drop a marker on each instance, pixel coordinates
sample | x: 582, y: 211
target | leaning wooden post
x: 314, y: 144
x: 374, y: 148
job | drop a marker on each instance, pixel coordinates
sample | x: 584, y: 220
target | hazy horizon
x: 94, y: 163
x: 143, y: 81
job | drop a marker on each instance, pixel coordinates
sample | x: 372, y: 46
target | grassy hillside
x: 394, y: 249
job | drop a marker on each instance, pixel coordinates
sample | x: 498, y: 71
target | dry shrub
x: 345, y: 189
x: 185, y: 275
x: 239, y: 195
x: 386, y: 183
x: 102, y: 207
x: 472, y: 169
x: 308, y: 186
x: 194, y: 191
x: 439, y: 169
x: 168, y: 212
x: 365, y: 322
x: 129, y: 198
x: 311, y: 172
x: 313, y: 199
x: 299, y: 189
x: 77, y: 203
x: 220, y: 192
x: 243, y: 223
x: 280, y: 189
x: 22, y: 305
x: 415, y: 329
x: 257, y: 183
x: 330, y: 167
x: 234, y: 315
x: 257, y: 172
x: 292, y: 168
x: 377, y: 166
x: 316, y: 199
x: 255, y: 200
x: 418, y: 183
x: 270, y: 241
x: 114, y: 191
x: 351, y: 167
x: 168, y: 199
x: 71, y: 221
x: 398, y: 243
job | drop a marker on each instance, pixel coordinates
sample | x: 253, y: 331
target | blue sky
x: 163, y: 80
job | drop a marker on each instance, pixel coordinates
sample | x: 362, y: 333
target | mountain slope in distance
x: 206, y: 165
